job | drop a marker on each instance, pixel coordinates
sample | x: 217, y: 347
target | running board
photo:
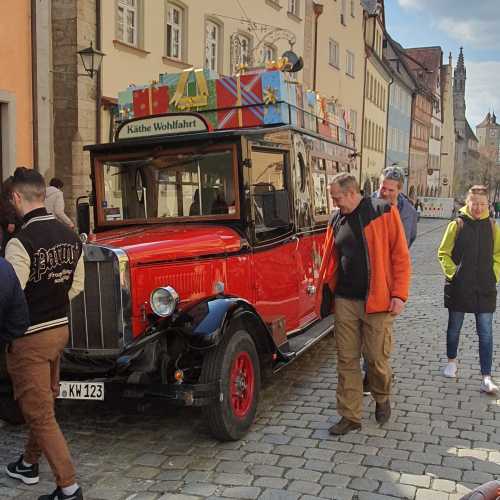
x: 300, y: 343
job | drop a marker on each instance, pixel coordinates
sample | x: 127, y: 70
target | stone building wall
x: 73, y: 28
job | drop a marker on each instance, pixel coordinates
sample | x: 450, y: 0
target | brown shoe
x: 383, y: 411
x: 343, y: 426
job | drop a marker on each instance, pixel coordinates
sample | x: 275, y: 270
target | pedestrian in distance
x: 366, y: 265
x: 469, y: 255
x: 47, y: 258
x: 9, y: 222
x: 497, y: 209
x: 54, y: 201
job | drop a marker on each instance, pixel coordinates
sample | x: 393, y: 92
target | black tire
x: 222, y: 418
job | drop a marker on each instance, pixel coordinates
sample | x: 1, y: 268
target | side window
x: 320, y: 198
x: 270, y: 197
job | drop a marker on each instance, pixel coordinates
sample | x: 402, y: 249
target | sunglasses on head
x: 394, y: 174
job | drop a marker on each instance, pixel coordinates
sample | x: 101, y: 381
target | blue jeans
x: 484, y: 329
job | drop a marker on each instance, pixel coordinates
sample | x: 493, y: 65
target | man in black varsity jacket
x: 47, y: 258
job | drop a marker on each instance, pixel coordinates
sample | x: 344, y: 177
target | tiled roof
x: 425, y: 63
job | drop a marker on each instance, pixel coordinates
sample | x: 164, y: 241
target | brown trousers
x: 33, y: 364
x: 371, y: 334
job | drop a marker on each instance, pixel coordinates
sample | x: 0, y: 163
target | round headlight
x: 164, y: 300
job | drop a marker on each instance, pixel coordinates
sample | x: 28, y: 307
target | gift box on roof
x: 151, y: 100
x: 192, y: 90
x: 324, y: 125
x: 239, y: 101
x: 125, y: 104
x: 280, y: 98
x: 310, y: 110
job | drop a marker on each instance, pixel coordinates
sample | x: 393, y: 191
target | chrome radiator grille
x: 100, y: 316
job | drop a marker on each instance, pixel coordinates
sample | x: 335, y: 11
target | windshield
x: 175, y: 185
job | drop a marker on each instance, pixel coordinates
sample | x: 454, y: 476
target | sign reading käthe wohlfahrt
x: 162, y: 125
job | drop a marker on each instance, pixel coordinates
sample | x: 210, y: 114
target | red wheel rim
x: 242, y: 384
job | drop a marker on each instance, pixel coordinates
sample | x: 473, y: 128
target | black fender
x: 205, y: 323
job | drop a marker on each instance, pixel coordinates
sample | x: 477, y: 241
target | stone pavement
x: 443, y: 439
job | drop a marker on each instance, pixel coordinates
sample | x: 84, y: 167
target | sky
x: 451, y: 24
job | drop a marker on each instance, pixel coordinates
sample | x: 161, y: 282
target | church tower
x: 460, y: 77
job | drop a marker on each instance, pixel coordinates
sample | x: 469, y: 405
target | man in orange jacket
x: 366, y: 265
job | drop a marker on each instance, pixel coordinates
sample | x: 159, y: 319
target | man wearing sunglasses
x: 469, y: 255
x: 391, y: 185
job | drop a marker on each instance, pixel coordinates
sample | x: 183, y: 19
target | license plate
x: 81, y: 390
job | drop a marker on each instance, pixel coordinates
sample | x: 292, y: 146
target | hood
x: 148, y: 245
x: 50, y: 191
x: 465, y: 211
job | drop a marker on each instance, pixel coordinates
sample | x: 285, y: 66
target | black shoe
x: 17, y: 470
x: 383, y: 412
x: 57, y: 494
x: 343, y: 426
x: 366, y: 386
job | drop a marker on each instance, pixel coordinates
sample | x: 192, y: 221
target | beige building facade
x: 376, y: 100
x: 142, y: 39
x: 341, y: 61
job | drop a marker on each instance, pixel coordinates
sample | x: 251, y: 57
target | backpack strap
x: 460, y: 225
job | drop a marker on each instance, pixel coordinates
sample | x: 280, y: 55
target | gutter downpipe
x: 99, y: 75
x: 318, y: 10
x: 363, y: 131
x: 34, y: 84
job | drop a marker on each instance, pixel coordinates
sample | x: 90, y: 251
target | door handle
x: 311, y: 289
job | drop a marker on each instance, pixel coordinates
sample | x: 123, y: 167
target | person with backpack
x: 469, y: 255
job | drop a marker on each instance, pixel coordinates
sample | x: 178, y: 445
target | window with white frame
x: 334, y: 53
x: 293, y: 7
x: 126, y: 25
x: 212, y: 36
x: 175, y: 19
x: 244, y: 45
x: 269, y: 53
x: 349, y: 63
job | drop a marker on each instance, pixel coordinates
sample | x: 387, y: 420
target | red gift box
x: 150, y: 101
x: 233, y: 92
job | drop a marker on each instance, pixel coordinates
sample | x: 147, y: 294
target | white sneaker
x: 450, y: 370
x: 488, y: 386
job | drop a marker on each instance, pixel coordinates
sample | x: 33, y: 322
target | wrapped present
x: 324, y: 125
x: 236, y: 92
x: 125, y: 104
x: 280, y: 98
x: 150, y: 100
x: 299, y: 91
x: 310, y: 103
x: 193, y: 90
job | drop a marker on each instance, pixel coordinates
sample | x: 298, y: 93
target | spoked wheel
x: 242, y: 384
x: 236, y: 364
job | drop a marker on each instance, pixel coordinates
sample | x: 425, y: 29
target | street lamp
x: 91, y: 59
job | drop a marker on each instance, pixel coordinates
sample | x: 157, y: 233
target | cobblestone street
x: 442, y: 441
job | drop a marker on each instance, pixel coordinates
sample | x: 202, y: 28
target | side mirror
x: 83, y: 215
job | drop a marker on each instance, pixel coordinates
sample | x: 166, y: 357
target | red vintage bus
x: 202, y: 275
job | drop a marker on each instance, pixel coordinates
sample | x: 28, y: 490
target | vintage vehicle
x: 202, y: 270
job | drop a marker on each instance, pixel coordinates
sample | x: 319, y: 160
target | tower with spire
x: 459, y: 80
x: 466, y: 143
